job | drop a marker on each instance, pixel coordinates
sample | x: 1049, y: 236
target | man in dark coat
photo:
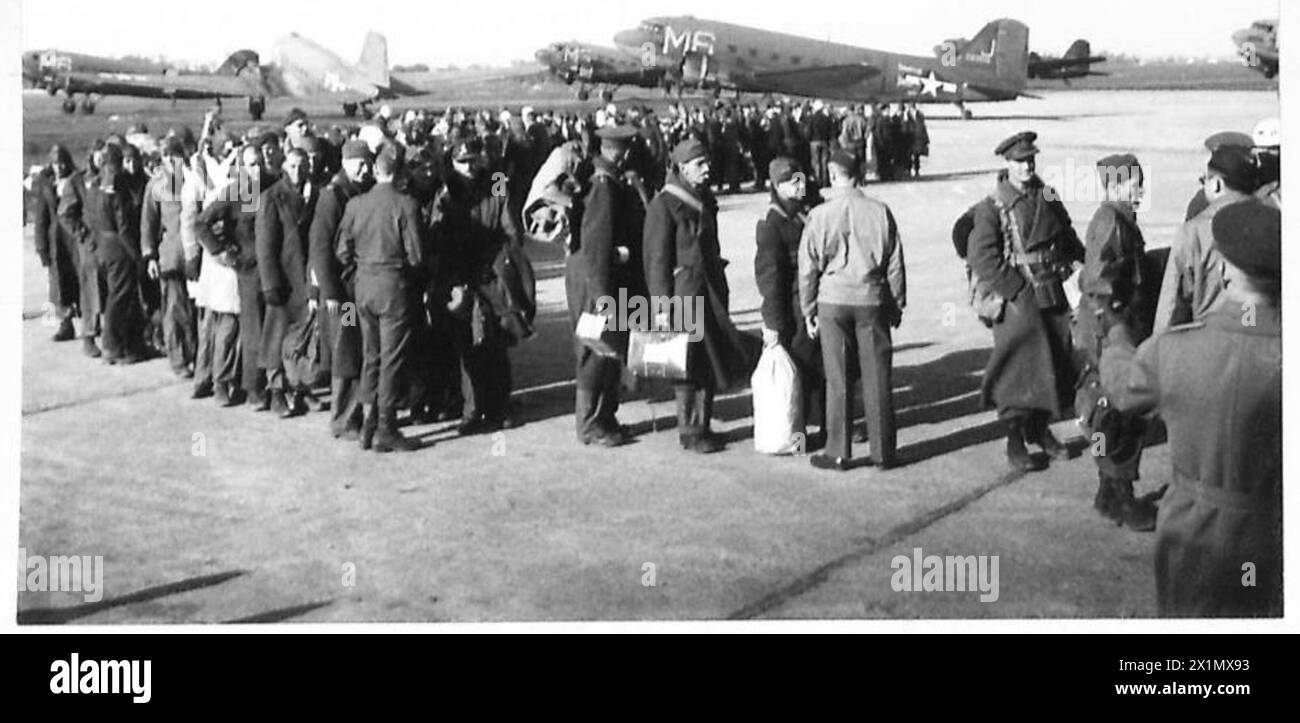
x: 114, y: 234
x: 58, y: 197
x: 284, y: 215
x: 383, y: 235
x: 1112, y: 287
x: 685, y: 269
x: 776, y: 272
x: 340, y: 327
x: 1217, y: 383
x: 1023, y: 247
x: 604, y: 268
x: 477, y: 242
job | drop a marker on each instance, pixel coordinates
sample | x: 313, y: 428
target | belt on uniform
x: 1264, y: 502
x: 1036, y: 258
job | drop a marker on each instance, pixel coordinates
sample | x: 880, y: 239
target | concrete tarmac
x: 205, y: 514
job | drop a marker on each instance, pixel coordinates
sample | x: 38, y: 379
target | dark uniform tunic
x: 776, y: 272
x: 1217, y: 384
x: 114, y: 234
x: 59, y: 229
x: 1031, y: 367
x: 1112, y: 277
x: 283, y: 219
x: 683, y: 263
x: 613, y: 217
x: 336, y: 283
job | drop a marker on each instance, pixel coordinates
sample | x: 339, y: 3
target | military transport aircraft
x: 1076, y: 63
x: 696, y: 53
x: 587, y: 65
x: 93, y: 77
x: 303, y: 68
x: 1257, y: 46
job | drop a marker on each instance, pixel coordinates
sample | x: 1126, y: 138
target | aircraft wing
x: 1038, y: 66
x: 159, y: 86
x: 812, y: 81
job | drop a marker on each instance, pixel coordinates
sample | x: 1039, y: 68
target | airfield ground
x: 267, y: 522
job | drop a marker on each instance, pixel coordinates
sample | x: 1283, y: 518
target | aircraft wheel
x: 606, y: 96
x: 367, y: 112
x: 69, y: 106
x: 87, y: 106
x: 349, y: 110
x: 967, y: 115
x: 583, y: 94
x: 256, y: 108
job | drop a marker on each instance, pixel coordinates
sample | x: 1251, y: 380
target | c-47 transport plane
x: 697, y: 53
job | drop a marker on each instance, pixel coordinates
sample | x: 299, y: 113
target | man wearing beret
x: 1194, y: 274
x: 852, y: 289
x: 776, y: 272
x: 340, y: 327
x: 1217, y: 383
x: 284, y: 216
x: 1023, y: 247
x: 684, y: 265
x: 1112, y: 286
x: 607, y: 261
x: 383, y: 235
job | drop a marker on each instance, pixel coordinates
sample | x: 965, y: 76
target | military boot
x: 65, y: 332
x: 388, y: 438
x: 1104, y: 500
x: 1137, y: 515
x: 1051, y: 445
x: 1017, y: 455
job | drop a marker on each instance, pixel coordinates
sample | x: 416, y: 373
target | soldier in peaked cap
x: 1023, y: 247
x: 1217, y: 383
x: 1212, y: 144
x: 606, y: 262
x: 1112, y: 285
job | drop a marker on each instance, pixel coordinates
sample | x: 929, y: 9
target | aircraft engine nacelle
x: 696, y: 71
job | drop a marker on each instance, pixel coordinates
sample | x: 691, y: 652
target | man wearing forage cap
x: 1193, y: 276
x: 685, y: 271
x: 1217, y: 383
x: 1112, y: 285
x: 605, y: 268
x: 1023, y: 247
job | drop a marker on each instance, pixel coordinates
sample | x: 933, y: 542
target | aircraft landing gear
x: 349, y: 110
x: 87, y: 106
x: 965, y: 112
x: 583, y: 93
x: 256, y: 107
x: 69, y: 106
x: 606, y: 95
x: 366, y: 111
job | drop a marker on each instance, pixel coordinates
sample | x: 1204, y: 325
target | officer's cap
x: 1249, y: 235
x: 1018, y: 147
x: 688, y: 150
x: 1228, y: 138
x: 617, y: 135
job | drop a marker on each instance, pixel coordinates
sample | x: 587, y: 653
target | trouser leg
x: 252, y: 305
x: 123, y: 316
x: 876, y: 359
x: 395, y: 342
x: 204, y: 352
x: 225, y: 348
x: 835, y: 326
x: 178, y: 322
x: 345, y: 404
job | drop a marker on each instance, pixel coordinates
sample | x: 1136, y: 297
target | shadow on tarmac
x: 58, y: 616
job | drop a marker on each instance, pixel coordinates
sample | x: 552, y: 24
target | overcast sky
x: 495, y: 32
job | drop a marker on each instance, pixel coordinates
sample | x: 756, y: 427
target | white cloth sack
x: 778, y: 403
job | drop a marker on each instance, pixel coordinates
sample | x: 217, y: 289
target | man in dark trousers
x: 284, y: 215
x: 853, y: 289
x: 607, y: 261
x: 821, y: 129
x: 1217, y: 383
x: 160, y: 239
x: 381, y: 234
x: 114, y: 235
x: 340, y: 324
x: 59, y: 207
x: 1023, y: 247
x: 685, y: 270
x: 776, y: 272
x: 473, y: 228
x: 1113, y: 287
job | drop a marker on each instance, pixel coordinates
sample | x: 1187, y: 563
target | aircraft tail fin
x: 1078, y: 50
x: 374, y: 59
x: 1000, y: 49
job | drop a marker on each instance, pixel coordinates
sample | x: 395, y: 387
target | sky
x: 496, y: 32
